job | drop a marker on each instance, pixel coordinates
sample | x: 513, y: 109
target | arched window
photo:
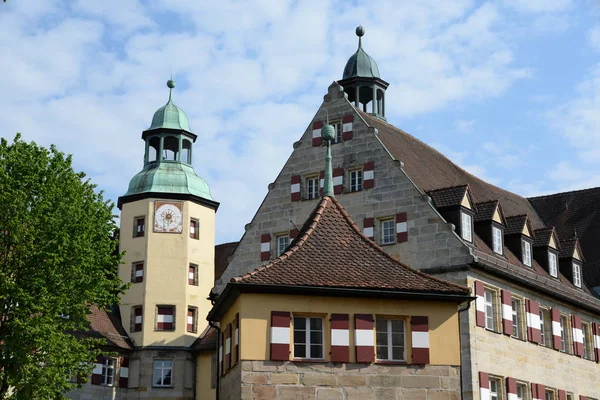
x: 186, y: 152
x: 153, y: 148
x: 170, y: 148
x: 380, y: 102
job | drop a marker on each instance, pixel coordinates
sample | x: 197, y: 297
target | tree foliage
x: 57, y: 259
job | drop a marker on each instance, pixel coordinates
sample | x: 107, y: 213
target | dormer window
x: 577, y: 275
x: 526, y: 253
x: 497, y: 240
x: 466, y: 229
x: 552, y: 264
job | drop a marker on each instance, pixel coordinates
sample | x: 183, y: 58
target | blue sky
x: 508, y: 89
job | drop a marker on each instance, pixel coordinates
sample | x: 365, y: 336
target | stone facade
x: 286, y: 380
x: 431, y: 241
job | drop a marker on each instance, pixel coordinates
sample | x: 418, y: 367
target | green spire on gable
x: 361, y: 64
x: 170, y: 116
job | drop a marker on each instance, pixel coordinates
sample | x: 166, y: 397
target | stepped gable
x: 576, y: 211
x: 448, y: 197
x: 107, y: 325
x: 429, y: 170
x: 331, y: 251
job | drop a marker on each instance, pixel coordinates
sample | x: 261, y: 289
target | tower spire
x: 171, y: 86
x: 328, y: 134
x: 360, y: 32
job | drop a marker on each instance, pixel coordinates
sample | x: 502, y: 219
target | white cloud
x: 538, y: 6
x: 594, y: 37
x: 464, y: 126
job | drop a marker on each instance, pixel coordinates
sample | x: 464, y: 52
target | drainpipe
x: 461, y: 308
x: 218, y: 385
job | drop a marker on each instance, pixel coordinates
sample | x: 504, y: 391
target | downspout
x: 218, y: 385
x: 462, y: 368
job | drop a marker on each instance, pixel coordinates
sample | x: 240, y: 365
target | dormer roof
x: 546, y: 237
x: 518, y: 225
x: 570, y: 248
x: 489, y: 211
x: 453, y: 196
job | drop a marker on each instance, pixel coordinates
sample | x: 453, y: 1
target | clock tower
x: 167, y: 233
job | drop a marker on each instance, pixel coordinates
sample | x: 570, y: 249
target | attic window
x: 577, y: 275
x: 466, y: 226
x: 526, y: 253
x: 552, y: 264
x: 337, y: 126
x: 497, y: 240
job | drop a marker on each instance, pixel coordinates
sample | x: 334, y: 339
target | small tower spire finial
x: 328, y: 134
x: 360, y: 32
x: 171, y: 86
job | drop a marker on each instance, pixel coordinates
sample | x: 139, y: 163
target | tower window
x: 165, y: 318
x: 137, y: 272
x: 356, y: 180
x: 170, y: 148
x: 136, y: 318
x: 191, y: 319
x: 312, y: 187
x: 161, y: 375
x: 193, y: 275
x: 194, y: 229
x: 139, y: 226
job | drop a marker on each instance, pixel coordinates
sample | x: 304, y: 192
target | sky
x: 507, y: 89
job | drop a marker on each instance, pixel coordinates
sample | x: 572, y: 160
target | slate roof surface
x: 580, y: 211
x: 515, y: 224
x: 107, y: 325
x: 429, y: 170
x: 448, y: 197
x: 542, y: 237
x: 331, y: 251
x: 223, y: 253
x: 485, y: 210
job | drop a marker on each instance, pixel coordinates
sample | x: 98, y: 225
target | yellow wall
x: 166, y: 259
x: 255, y: 318
x: 204, y: 371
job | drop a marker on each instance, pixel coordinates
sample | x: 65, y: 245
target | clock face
x: 168, y: 217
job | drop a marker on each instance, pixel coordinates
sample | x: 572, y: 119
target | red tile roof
x: 486, y: 210
x: 107, y: 325
x: 331, y: 251
x: 448, y: 197
x: 515, y: 224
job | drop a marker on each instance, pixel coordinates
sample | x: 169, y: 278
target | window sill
x: 162, y: 387
x: 493, y: 331
x: 309, y: 360
x: 387, y: 244
x: 518, y: 338
x: 391, y: 362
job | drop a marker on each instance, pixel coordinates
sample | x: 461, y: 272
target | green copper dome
x: 361, y: 64
x: 169, y: 177
x: 170, y: 116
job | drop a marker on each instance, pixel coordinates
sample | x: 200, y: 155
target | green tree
x: 57, y: 260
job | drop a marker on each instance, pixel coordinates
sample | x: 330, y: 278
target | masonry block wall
x: 284, y: 380
x: 429, y: 240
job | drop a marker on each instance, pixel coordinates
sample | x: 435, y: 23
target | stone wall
x: 286, y: 380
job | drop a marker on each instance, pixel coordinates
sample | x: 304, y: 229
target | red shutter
x: 364, y: 339
x: 293, y: 234
x: 190, y: 320
x: 165, y: 318
x: 321, y: 182
x: 541, y: 391
x: 236, y: 338
x: 192, y: 275
x: 317, y: 139
x: 562, y: 395
x: 420, y: 339
x: 582, y: 397
x: 138, y: 319
x: 369, y: 175
x: 507, y: 323
x: 577, y: 336
x: 596, y: 339
x: 480, y: 304
x: 401, y: 228
x: 265, y: 247
x: 295, y: 188
x: 139, y: 272
x: 369, y: 228
x: 227, y: 360
x: 221, y: 348
x: 347, y: 128
x: 484, y: 386
x: 97, y: 371
x: 338, y: 180
x: 511, y: 387
x: 534, y: 391
x: 556, y: 339
x: 340, y: 338
x: 124, y: 372
x: 533, y: 321
x: 280, y: 335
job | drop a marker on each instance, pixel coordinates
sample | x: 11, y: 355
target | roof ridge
x: 446, y: 188
x: 563, y: 193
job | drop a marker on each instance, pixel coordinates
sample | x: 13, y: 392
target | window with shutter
x: 165, y: 318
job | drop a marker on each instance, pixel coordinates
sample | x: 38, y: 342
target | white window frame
x: 497, y: 240
x: 588, y: 353
x: 108, y: 371
x: 577, y: 275
x: 312, y: 187
x: 523, y: 389
x: 307, y: 337
x: 356, y: 180
x: 490, y: 308
x: 164, y: 370
x: 388, y: 344
x: 392, y: 225
x: 545, y: 327
x: 553, y: 264
x: 526, y: 253
x: 495, y: 393
x: 550, y: 394
x: 466, y: 226
x: 564, y: 332
x: 517, y: 315
x: 195, y: 232
x: 283, y: 241
x: 337, y: 127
